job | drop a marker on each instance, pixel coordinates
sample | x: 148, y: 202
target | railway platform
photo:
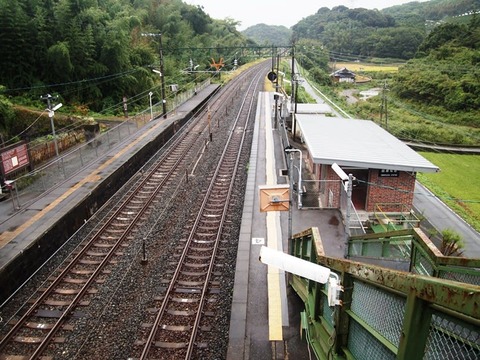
x: 40, y: 223
x: 265, y: 317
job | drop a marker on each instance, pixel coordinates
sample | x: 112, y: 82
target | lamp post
x: 151, y: 109
x: 289, y: 150
x: 161, y: 72
x: 164, y: 102
x: 51, y: 113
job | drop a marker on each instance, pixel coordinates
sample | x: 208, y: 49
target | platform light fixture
x: 151, y: 108
x: 306, y: 269
x: 51, y: 114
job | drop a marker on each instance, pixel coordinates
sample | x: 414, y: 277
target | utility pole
x: 273, y: 58
x: 277, y: 56
x: 162, y: 72
x: 294, y: 94
x: 291, y: 77
x: 384, y: 105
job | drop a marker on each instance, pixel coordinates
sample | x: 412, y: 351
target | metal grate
x: 372, y: 305
x: 422, y: 265
x: 364, y: 346
x: 451, y: 338
x: 473, y: 279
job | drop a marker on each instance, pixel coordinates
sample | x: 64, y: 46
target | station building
x: 384, y: 168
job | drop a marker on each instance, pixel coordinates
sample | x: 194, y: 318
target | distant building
x: 343, y: 75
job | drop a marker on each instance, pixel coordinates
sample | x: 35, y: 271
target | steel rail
x: 74, y: 262
x: 198, y: 317
x: 107, y: 257
x: 160, y: 313
x: 87, y: 285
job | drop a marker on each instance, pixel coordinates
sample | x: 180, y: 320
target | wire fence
x: 375, y: 335
x: 424, y: 264
x: 49, y: 176
x: 376, y: 324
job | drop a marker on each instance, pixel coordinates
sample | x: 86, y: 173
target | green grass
x: 457, y: 184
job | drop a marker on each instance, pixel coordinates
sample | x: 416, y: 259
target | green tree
x: 15, y: 67
x: 92, y: 51
x: 398, y: 42
x: 443, y: 34
x: 59, y: 66
x: 312, y: 54
x: 452, y: 243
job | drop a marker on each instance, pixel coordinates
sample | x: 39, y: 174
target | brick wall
x: 383, y: 190
x: 332, y: 184
x: 393, y: 194
x: 42, y: 152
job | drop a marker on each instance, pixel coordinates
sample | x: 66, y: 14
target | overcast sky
x: 280, y: 12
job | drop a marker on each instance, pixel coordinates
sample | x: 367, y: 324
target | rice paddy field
x: 457, y: 183
x: 359, y: 67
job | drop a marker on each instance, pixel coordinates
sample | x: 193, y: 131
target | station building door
x: 360, y: 187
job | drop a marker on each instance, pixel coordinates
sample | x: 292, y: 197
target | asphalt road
x: 442, y: 217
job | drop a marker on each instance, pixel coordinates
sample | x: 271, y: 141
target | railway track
x: 41, y: 329
x: 185, y: 312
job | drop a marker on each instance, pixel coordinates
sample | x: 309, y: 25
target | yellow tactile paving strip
x: 8, y: 236
x: 275, y: 330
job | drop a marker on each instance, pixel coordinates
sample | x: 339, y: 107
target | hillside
x: 95, y: 54
x: 264, y: 34
x: 433, y: 10
x: 394, y: 32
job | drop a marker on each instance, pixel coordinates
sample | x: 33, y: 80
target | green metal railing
x: 389, y: 314
x: 398, y: 217
x: 419, y: 255
x: 394, y: 245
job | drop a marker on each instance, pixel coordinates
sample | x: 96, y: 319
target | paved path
x: 442, y: 217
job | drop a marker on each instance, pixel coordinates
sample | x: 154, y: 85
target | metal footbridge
x: 401, y: 299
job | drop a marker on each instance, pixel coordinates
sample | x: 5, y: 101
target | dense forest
x: 394, y: 32
x: 92, y: 52
x: 436, y: 44
x: 442, y: 70
x: 445, y: 71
